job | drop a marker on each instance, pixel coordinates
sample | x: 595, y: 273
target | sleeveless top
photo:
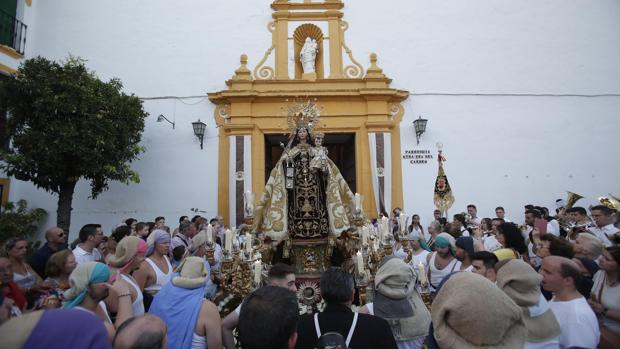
x: 103, y: 308
x: 24, y: 281
x: 436, y: 275
x: 138, y: 304
x: 199, y: 342
x: 161, y: 277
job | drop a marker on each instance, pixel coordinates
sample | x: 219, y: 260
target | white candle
x: 258, y: 269
x: 358, y: 203
x: 421, y: 274
x: 228, y: 236
x: 209, y: 233
x: 248, y: 242
x: 365, y: 235
x: 360, y: 263
x: 402, y: 221
x: 385, y: 226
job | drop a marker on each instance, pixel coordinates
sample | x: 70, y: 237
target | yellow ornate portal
x: 352, y: 100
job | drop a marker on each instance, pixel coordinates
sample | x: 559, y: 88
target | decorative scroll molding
x: 356, y: 70
x: 395, y: 109
x: 222, y: 114
x: 266, y: 72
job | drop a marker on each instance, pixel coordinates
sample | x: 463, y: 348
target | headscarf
x: 85, y: 274
x: 414, y: 235
x: 127, y: 249
x: 198, y: 240
x: 178, y: 302
x: 445, y: 240
x: 157, y: 237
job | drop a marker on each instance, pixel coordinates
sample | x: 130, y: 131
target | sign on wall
x: 416, y: 157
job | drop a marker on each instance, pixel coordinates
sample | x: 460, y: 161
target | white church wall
x: 501, y: 150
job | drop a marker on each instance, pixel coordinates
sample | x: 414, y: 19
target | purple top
x: 70, y: 329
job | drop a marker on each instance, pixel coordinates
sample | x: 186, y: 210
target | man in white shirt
x: 90, y: 237
x: 473, y: 212
x: 605, y: 229
x: 501, y: 214
x: 578, y: 323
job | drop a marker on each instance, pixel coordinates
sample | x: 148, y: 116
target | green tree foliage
x: 65, y: 125
x: 18, y: 220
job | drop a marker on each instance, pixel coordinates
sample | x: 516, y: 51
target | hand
x: 595, y: 305
x: 118, y: 287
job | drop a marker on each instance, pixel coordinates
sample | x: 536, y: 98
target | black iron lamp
x: 420, y: 127
x: 199, y: 130
x: 161, y: 118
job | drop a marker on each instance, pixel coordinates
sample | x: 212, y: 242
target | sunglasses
x: 61, y: 235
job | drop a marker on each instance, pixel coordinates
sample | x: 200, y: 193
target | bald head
x: 55, y: 235
x: 559, y: 274
x: 139, y: 332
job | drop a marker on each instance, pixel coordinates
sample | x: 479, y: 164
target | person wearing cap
x: 442, y: 262
x: 578, y: 325
x: 192, y: 320
x: 89, y: 289
x: 130, y: 253
x: 522, y: 284
x: 464, y: 249
x: 470, y: 312
x: 156, y: 270
x: 397, y: 300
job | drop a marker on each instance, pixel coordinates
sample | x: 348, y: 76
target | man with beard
x: 442, y: 261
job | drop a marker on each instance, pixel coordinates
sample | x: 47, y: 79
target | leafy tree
x: 65, y: 125
x: 18, y: 220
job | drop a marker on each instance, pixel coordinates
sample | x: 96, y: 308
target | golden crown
x: 303, y: 114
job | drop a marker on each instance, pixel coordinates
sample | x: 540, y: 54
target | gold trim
x: 7, y: 69
x: 10, y: 52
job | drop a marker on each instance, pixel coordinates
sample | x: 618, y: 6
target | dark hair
x: 501, y: 220
x: 486, y: 223
x: 146, y: 340
x: 472, y: 206
x: 140, y: 226
x: 512, y: 237
x: 56, y: 263
x: 280, y: 271
x: 529, y: 207
x: 213, y: 220
x: 195, y: 218
x: 119, y: 233
x: 489, y: 259
x: 500, y: 208
x: 268, y: 318
x: 459, y: 217
x: 614, y: 251
x: 130, y: 221
x: 534, y: 213
x: 559, y: 247
x: 568, y: 270
x: 309, y: 139
x: 604, y: 209
x: 88, y: 230
x: 184, y: 226
x: 182, y: 218
x: 336, y: 286
x: 159, y: 218
x: 178, y: 252
x: 578, y: 209
x: 151, y: 226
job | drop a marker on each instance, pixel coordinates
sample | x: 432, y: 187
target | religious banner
x: 443, y: 197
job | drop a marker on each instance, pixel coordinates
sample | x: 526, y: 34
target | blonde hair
x: 56, y: 263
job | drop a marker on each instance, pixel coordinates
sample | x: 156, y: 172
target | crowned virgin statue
x: 303, y: 201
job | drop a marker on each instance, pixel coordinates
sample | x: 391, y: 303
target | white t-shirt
x: 610, y: 299
x: 578, y: 324
x: 550, y: 344
x: 490, y: 243
x: 604, y: 233
x: 82, y: 256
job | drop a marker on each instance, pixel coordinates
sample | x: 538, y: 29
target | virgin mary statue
x: 302, y: 201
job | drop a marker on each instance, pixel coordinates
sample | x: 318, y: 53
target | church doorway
x: 340, y: 147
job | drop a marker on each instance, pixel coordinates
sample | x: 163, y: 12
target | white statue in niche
x: 308, y: 55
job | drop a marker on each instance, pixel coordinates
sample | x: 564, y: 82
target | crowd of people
x: 551, y: 282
